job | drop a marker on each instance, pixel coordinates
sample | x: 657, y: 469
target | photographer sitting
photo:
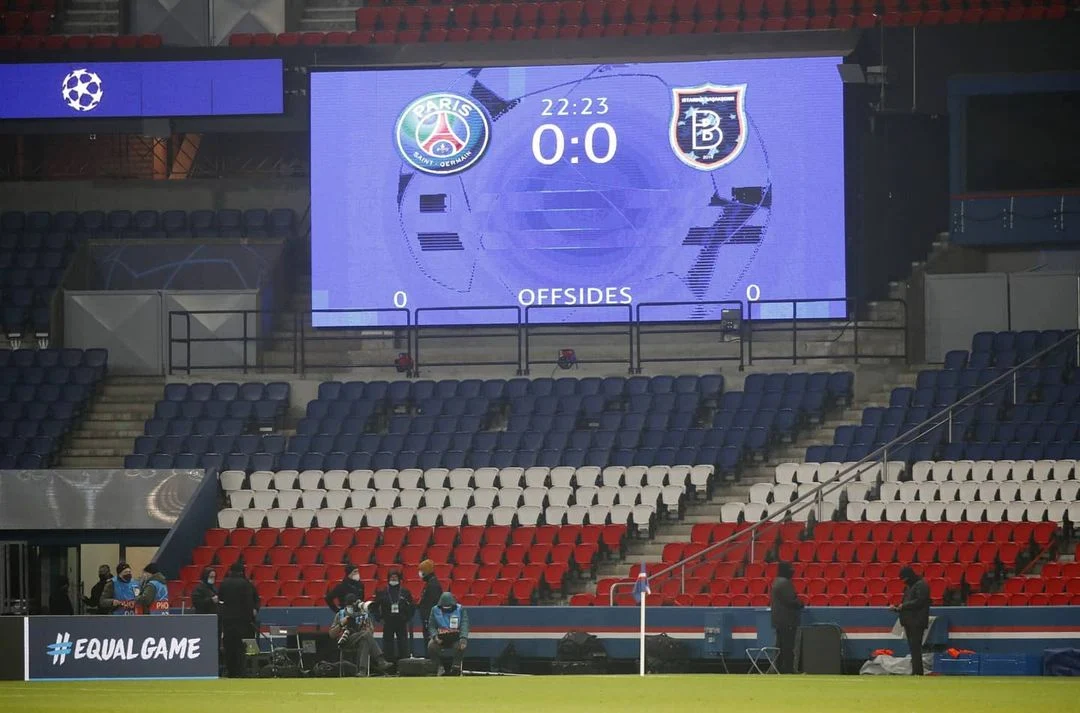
x: 352, y: 630
x: 448, y: 625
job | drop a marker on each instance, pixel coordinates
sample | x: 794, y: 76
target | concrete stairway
x: 116, y: 416
x: 90, y: 17
x: 328, y: 15
x: 703, y: 512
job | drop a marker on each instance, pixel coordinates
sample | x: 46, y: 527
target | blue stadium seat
x: 230, y: 223
x: 282, y: 223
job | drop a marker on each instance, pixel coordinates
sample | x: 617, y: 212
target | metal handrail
x: 846, y: 475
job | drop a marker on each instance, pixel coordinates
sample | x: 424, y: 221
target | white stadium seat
x: 232, y: 480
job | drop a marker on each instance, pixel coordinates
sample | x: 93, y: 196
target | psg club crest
x: 708, y: 124
x: 442, y: 133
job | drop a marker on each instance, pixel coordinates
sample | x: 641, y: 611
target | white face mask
x: 394, y: 582
x: 355, y: 576
x: 421, y: 575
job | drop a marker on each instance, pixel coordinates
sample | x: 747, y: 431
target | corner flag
x: 641, y: 586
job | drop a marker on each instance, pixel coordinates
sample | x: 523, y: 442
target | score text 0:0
x: 560, y: 143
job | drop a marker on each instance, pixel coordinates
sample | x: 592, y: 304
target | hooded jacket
x: 202, y: 597
x: 448, y: 617
x: 785, y: 606
x: 386, y: 598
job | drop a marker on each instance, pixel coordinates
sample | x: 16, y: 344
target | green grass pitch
x: 557, y: 694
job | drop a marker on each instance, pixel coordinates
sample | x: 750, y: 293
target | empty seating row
x: 606, y: 536
x: 996, y: 450
x: 460, y: 478
x: 38, y: 41
x: 642, y: 516
x: 227, y: 222
x: 709, y: 386
x: 24, y: 20
x: 1054, y: 512
x: 896, y: 532
x: 1007, y: 492
x: 725, y: 461
x: 318, y: 498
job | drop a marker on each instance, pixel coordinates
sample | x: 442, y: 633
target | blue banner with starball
x: 83, y: 90
x: 66, y: 648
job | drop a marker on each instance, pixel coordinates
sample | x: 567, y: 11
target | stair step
x: 83, y: 441
x: 90, y: 462
x: 113, y: 453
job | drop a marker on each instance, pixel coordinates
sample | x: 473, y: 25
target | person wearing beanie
x: 914, y: 614
x: 154, y: 596
x: 429, y: 597
x: 120, y: 593
x: 393, y: 606
x: 786, y: 609
x: 348, y: 588
x: 449, y: 631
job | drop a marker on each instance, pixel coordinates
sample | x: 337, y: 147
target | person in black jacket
x: 204, y: 598
x: 348, y: 589
x: 93, y: 602
x: 393, y: 606
x: 239, y: 606
x: 429, y: 597
x: 60, y: 599
x: 786, y: 610
x: 914, y: 613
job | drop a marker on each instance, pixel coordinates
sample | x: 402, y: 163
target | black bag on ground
x: 508, y: 661
x: 580, y: 646
x: 411, y: 667
x: 664, y: 654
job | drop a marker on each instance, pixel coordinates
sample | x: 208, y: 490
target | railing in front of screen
x: 494, y: 336
x: 755, y: 540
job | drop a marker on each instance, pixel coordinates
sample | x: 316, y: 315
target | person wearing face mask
x: 119, y: 594
x: 204, y: 597
x: 353, y: 632
x: 154, y: 595
x: 448, y: 626
x: 429, y: 597
x: 393, y: 606
x: 349, y: 588
x: 93, y: 602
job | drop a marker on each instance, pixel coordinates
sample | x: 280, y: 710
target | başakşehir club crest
x: 708, y: 124
x: 442, y: 133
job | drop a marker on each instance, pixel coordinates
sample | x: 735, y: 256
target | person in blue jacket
x: 448, y: 627
x: 120, y: 593
x: 154, y: 596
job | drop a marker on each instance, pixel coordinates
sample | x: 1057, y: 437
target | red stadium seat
x: 263, y: 39
x: 408, y: 36
x: 149, y: 42
x: 367, y: 18
x: 312, y: 39
x: 253, y: 555
x: 216, y: 537
x: 127, y: 42
x: 337, y: 37
x: 78, y: 42
x: 267, y: 589
x: 203, y: 556
x: 523, y: 591
x: 278, y: 602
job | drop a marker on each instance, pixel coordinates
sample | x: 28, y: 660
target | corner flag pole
x: 641, y: 649
x: 642, y: 591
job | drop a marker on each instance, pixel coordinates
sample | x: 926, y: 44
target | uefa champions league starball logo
x: 82, y: 90
x: 442, y: 133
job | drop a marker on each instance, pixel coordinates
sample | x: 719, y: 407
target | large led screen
x: 576, y: 186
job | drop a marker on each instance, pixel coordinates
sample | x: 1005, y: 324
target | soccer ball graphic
x: 82, y: 90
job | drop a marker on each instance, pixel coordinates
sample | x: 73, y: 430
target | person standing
x: 239, y: 606
x: 393, y: 606
x: 154, y: 595
x: 429, y: 597
x: 914, y: 614
x: 348, y: 589
x: 204, y: 598
x: 119, y: 594
x: 93, y: 602
x: 60, y: 598
x: 786, y: 610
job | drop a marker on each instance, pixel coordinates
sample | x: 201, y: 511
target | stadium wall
x: 535, y: 631
x: 197, y: 517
